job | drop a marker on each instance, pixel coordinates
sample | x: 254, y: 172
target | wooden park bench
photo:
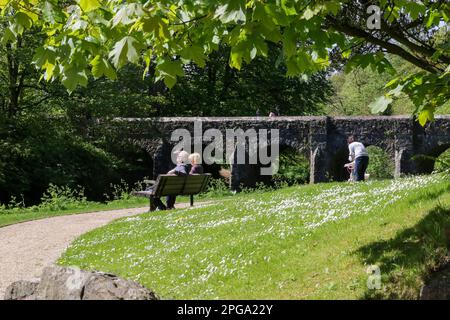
x: 172, y: 185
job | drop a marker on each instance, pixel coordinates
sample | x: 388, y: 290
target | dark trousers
x: 155, y: 201
x: 158, y: 203
x: 361, y: 164
x: 170, y: 201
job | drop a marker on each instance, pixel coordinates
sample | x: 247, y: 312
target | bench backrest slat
x: 180, y: 185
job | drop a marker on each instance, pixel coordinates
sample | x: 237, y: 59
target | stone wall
x: 321, y: 139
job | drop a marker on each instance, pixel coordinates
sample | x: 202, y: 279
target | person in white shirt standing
x: 358, y: 153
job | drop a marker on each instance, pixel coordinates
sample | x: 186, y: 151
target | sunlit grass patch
x: 298, y: 242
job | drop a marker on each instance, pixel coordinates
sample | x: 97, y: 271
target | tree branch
x: 390, y: 47
x: 428, y: 52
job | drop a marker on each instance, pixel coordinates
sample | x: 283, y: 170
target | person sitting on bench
x: 182, y: 168
x: 196, y: 168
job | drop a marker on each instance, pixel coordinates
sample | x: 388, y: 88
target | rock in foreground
x: 60, y: 283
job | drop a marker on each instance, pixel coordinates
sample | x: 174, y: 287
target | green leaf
x: 277, y: 16
x: 126, y: 14
x: 383, y: 65
x: 236, y: 57
x: 43, y: 56
x: 125, y: 50
x: 261, y: 46
x: 51, y: 13
x: 261, y: 14
x: 392, y: 82
x: 293, y: 68
x: 8, y: 36
x: 424, y: 116
x: 380, y: 104
x: 414, y: 8
x: 168, y: 71
x: 89, y: 5
x: 101, y: 67
x: 332, y: 6
x: 157, y: 26
x: 72, y: 77
x: 23, y: 21
x: 289, y: 42
x: 49, y: 69
x: 288, y: 7
x: 359, y: 60
x: 396, y: 92
x: 194, y: 53
x: 433, y: 19
x: 310, y: 12
x: 147, y: 56
x: 231, y: 11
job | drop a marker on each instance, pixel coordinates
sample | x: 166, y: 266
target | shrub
x: 442, y: 162
x: 120, y: 191
x: 293, y: 168
x: 62, y: 197
x: 216, y: 188
x: 380, y: 164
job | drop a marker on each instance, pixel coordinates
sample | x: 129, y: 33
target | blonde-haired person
x: 196, y: 168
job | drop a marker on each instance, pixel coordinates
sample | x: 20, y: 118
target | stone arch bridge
x: 321, y: 138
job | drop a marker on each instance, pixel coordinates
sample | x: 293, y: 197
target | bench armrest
x: 149, y: 181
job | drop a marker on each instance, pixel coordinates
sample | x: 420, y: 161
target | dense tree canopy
x: 258, y: 88
x: 98, y: 37
x: 49, y: 137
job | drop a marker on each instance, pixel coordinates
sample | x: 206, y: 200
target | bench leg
x: 192, y: 200
x: 152, y: 204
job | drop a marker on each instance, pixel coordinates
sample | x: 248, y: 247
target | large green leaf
x: 414, y: 8
x: 289, y: 7
x: 424, y: 116
x: 125, y: 50
x: 293, y: 68
x: 231, y: 11
x: 89, y: 5
x: 194, y: 53
x: 22, y: 22
x: 380, y: 104
x: 43, y: 56
x: 8, y: 36
x: 52, y: 13
x: 126, y: 14
x: 74, y: 77
x: 101, y: 67
x: 168, y: 71
x: 236, y: 56
x: 289, y: 42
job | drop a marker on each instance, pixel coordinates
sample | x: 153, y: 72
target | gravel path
x: 26, y: 248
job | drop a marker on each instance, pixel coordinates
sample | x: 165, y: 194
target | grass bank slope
x: 314, y: 242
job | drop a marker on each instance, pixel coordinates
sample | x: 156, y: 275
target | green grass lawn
x: 17, y: 215
x: 12, y: 216
x: 314, y: 241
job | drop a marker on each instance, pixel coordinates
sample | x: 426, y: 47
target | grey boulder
x: 61, y: 283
